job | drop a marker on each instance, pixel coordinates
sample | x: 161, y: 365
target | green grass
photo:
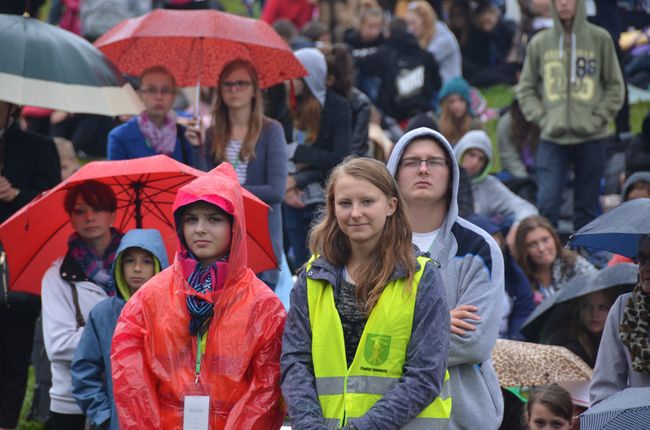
x: 23, y: 424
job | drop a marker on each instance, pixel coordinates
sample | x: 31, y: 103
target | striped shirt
x: 232, y: 155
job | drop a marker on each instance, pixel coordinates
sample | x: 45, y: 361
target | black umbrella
x: 619, y: 231
x: 45, y: 66
x: 622, y: 276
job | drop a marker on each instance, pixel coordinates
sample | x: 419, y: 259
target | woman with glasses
x: 252, y: 143
x: 155, y: 130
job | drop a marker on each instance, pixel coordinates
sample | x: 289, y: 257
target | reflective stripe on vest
x: 378, y: 362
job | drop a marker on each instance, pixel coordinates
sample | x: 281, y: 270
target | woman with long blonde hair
x: 365, y: 305
x: 434, y: 36
x: 255, y: 145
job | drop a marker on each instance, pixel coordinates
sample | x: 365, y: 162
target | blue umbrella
x: 619, y: 231
x: 628, y: 409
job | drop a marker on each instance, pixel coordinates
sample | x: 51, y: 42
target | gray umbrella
x: 628, y: 409
x: 45, y: 66
x: 622, y: 276
x: 619, y: 230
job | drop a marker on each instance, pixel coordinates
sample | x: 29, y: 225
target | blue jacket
x: 519, y: 290
x: 126, y: 142
x: 92, y: 389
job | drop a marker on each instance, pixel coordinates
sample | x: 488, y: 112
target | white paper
x: 196, y: 413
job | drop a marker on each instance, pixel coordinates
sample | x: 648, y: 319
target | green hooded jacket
x: 571, y: 88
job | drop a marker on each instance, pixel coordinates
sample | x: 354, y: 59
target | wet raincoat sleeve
x: 134, y: 386
x: 426, y: 360
x: 88, y: 386
x: 298, y: 382
x: 258, y: 407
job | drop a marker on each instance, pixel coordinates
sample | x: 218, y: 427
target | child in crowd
x: 550, y: 407
x: 140, y: 256
x: 202, y: 339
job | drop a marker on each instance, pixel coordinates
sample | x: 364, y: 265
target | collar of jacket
x: 322, y: 269
x: 71, y: 271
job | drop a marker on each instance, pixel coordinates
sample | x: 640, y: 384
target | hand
x: 510, y: 239
x: 293, y: 198
x: 193, y: 132
x: 57, y: 116
x: 7, y: 192
x: 291, y: 182
x: 463, y: 312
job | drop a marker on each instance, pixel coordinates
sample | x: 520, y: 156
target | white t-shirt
x: 424, y: 241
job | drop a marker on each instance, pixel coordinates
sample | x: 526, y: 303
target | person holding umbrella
x: 368, y: 329
x: 155, y: 130
x: 252, y: 143
x: 73, y: 285
x: 201, y: 340
x: 29, y: 165
x: 624, y: 353
x: 140, y: 256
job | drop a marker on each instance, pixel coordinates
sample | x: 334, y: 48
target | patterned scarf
x: 162, y: 140
x: 204, y: 280
x: 96, y: 268
x: 634, y: 329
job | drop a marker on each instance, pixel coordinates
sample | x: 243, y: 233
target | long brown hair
x: 221, y: 129
x: 523, y: 132
x: 393, y: 250
x: 453, y: 129
x: 428, y: 17
x: 567, y: 257
x: 306, y: 116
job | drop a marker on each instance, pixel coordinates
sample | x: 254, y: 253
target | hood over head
x: 314, y: 62
x: 219, y: 187
x: 633, y: 179
x: 475, y: 139
x: 427, y: 133
x: 147, y: 239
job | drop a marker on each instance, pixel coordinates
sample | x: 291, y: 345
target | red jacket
x: 153, y: 355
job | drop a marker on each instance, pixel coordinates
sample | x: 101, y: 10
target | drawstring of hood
x: 572, y: 64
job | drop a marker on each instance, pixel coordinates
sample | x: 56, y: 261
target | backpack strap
x: 75, y: 299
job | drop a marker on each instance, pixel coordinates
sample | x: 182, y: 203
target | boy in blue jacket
x: 140, y: 256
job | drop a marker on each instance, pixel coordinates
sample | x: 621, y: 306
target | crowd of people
x: 414, y: 238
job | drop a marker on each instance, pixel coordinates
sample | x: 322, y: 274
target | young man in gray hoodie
x: 426, y: 171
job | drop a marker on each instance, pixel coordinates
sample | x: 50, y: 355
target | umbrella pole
x: 137, y: 187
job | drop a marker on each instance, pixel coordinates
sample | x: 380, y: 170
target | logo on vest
x: 377, y: 349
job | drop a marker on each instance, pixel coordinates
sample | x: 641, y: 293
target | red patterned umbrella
x: 196, y: 45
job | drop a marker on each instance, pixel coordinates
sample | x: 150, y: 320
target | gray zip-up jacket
x: 424, y: 368
x: 472, y: 271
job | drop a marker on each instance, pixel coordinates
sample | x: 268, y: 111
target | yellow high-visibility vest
x: 378, y: 362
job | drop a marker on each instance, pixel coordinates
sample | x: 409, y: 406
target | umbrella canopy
x: 628, y: 409
x: 195, y: 46
x: 619, y: 230
x: 622, y: 276
x: 45, y: 66
x: 525, y: 364
x: 145, y: 189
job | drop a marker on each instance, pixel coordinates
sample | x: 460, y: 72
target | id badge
x: 196, y: 408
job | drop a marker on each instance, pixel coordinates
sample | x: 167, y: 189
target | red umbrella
x: 145, y: 189
x: 195, y: 45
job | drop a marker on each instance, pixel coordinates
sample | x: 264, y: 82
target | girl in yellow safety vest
x: 366, y: 339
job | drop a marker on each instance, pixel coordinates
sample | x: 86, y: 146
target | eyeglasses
x: 415, y: 163
x: 641, y: 259
x: 165, y: 91
x: 235, y: 85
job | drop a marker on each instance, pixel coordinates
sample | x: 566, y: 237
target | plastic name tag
x: 196, y: 413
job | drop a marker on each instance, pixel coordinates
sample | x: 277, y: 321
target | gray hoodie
x: 472, y: 271
x: 633, y: 179
x: 314, y: 62
x: 491, y: 197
